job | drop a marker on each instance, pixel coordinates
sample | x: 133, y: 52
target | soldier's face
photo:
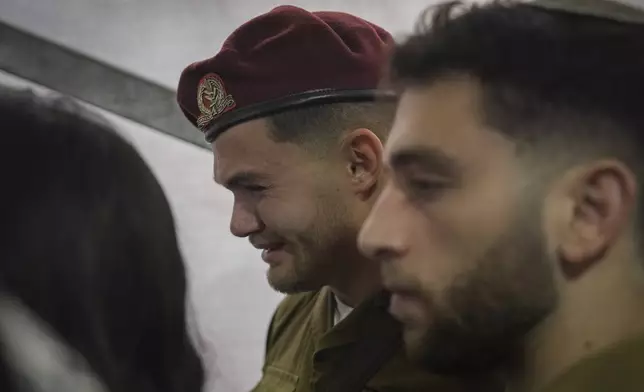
x: 289, y: 204
x: 457, y: 234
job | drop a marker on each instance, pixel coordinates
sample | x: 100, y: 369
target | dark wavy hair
x: 88, y: 244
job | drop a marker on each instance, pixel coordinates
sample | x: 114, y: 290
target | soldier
x: 511, y: 232
x: 291, y: 106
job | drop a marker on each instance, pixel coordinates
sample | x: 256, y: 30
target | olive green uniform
x: 618, y: 369
x: 303, y: 346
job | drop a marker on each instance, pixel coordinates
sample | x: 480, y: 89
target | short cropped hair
x: 569, y: 87
x: 320, y: 126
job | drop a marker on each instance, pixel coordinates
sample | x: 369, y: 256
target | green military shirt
x: 302, y: 344
x: 617, y: 369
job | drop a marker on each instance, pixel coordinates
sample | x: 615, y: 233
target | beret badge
x: 212, y: 99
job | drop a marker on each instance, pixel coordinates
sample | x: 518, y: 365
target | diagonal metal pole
x: 69, y: 72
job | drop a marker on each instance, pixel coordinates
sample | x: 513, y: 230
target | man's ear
x: 600, y: 201
x: 362, y: 151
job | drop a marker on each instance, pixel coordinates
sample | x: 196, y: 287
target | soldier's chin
x: 453, y: 359
x: 435, y: 358
x: 289, y: 284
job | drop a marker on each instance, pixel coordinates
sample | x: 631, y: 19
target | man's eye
x: 255, y: 188
x: 423, y: 185
x: 424, y: 189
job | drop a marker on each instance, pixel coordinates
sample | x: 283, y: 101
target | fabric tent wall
x: 232, y: 301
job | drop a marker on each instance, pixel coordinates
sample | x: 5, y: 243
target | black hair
x: 581, y: 75
x: 88, y: 244
x: 564, y: 86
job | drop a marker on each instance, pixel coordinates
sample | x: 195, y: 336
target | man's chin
x: 282, y: 286
x: 291, y: 286
x: 435, y: 362
x: 446, y: 359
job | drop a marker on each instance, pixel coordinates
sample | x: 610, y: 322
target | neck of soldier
x: 595, y: 311
x: 359, y: 280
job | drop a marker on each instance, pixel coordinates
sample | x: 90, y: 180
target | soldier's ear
x: 595, y: 205
x: 363, y: 151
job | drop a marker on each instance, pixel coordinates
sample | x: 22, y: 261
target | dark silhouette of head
x: 88, y: 244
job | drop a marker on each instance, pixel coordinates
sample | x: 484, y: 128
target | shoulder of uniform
x: 295, y: 303
x: 291, y: 313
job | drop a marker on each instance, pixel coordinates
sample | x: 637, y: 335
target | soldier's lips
x: 273, y: 253
x: 406, y: 306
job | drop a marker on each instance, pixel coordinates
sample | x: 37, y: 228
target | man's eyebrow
x: 428, y: 158
x: 242, y: 179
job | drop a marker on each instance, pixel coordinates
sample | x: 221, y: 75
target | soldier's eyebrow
x: 241, y: 179
x: 427, y: 158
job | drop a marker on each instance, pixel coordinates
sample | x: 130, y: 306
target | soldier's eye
x: 255, y: 188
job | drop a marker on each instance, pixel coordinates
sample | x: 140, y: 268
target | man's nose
x: 244, y: 221
x: 379, y: 237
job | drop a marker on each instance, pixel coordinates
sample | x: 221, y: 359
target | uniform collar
x: 349, y: 329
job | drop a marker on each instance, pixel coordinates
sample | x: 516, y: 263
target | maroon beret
x: 284, y: 59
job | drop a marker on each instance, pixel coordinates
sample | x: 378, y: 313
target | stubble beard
x: 488, y: 311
